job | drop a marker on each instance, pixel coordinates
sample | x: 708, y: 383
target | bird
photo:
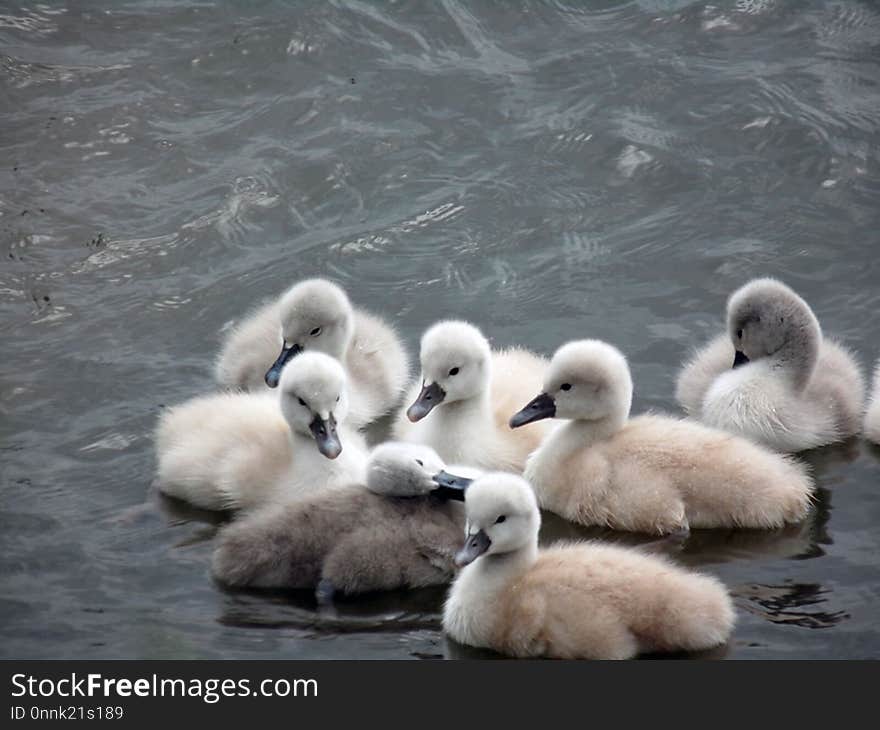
x: 398, y: 528
x: 580, y: 600
x: 315, y: 315
x: 461, y: 406
x: 231, y: 451
x: 651, y: 473
x: 773, y: 377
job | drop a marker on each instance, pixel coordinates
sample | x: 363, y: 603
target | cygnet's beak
x: 273, y: 374
x: 739, y: 359
x: 474, y: 547
x: 430, y: 396
x: 541, y: 407
x: 450, y: 486
x: 325, y: 436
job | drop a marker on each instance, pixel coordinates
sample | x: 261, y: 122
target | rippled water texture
x: 548, y: 171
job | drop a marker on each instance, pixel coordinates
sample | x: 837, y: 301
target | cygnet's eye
x: 500, y: 519
x: 420, y: 462
x: 739, y: 334
x: 565, y: 386
x: 315, y: 332
x: 302, y: 402
x: 454, y: 371
x: 337, y: 399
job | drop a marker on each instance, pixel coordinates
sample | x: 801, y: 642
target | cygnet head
x: 586, y: 380
x: 314, y: 399
x: 502, y: 517
x: 456, y: 362
x: 766, y: 318
x: 317, y: 316
x: 398, y: 469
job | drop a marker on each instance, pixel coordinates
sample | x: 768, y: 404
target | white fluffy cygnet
x: 316, y: 315
x: 650, y: 473
x: 401, y: 531
x: 583, y: 600
x: 466, y: 395
x: 239, y: 450
x: 773, y: 378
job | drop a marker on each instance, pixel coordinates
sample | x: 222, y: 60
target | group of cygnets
x: 456, y: 495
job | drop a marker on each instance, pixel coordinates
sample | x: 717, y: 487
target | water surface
x: 546, y: 170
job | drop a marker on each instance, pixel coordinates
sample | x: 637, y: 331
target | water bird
x: 773, y: 377
x: 581, y: 600
x: 315, y: 315
x: 466, y: 393
x: 231, y: 451
x: 398, y: 528
x: 649, y: 473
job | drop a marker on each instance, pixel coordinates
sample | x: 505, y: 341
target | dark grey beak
x: 739, y: 359
x: 450, y: 486
x: 430, y: 396
x: 273, y: 374
x: 539, y: 408
x: 474, y: 547
x: 325, y: 436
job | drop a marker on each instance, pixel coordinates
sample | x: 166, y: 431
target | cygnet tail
x: 698, y: 615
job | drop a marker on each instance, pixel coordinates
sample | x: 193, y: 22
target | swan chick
x: 402, y: 534
x: 583, y: 600
x: 650, y: 473
x: 237, y: 450
x: 773, y: 378
x: 466, y: 394
x: 390, y: 472
x: 316, y: 315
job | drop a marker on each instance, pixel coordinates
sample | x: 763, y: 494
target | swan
x: 402, y: 531
x: 580, y: 600
x: 872, y: 417
x: 238, y: 450
x: 774, y: 378
x: 466, y: 394
x: 650, y: 473
x: 316, y: 315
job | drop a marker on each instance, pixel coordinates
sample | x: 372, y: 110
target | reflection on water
x: 547, y: 169
x: 788, y: 604
x: 180, y: 512
x: 707, y: 547
x: 454, y: 650
x: 391, y: 611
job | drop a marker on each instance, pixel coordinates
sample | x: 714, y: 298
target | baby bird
x: 647, y: 474
x: 773, y: 378
x: 239, y: 450
x: 577, y: 601
x: 400, y: 532
x: 316, y: 315
x: 872, y: 417
x: 468, y: 390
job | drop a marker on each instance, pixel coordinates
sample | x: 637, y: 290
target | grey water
x: 547, y: 170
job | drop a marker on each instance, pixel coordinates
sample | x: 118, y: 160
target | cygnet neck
x: 590, y: 431
x: 798, y: 355
x: 339, y: 353
x: 513, y: 560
